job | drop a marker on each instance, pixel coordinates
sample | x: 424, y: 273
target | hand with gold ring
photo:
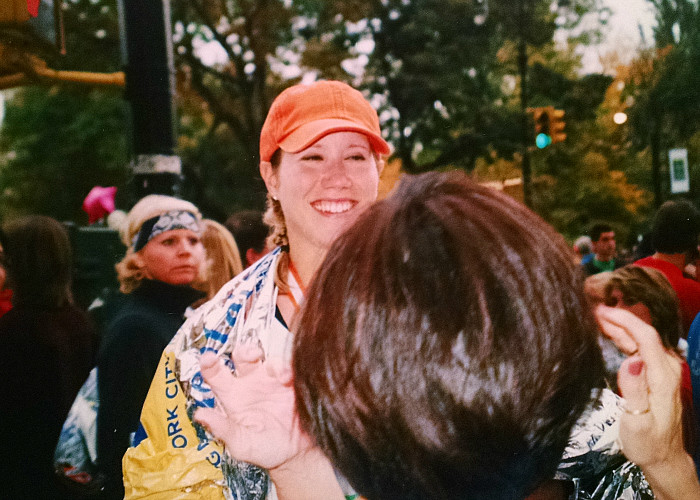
x: 651, y: 430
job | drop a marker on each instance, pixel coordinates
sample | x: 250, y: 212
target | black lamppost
x: 147, y: 51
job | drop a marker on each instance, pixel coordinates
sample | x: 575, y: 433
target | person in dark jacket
x: 49, y: 347
x: 165, y: 257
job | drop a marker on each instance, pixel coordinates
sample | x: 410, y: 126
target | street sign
x: 678, y: 169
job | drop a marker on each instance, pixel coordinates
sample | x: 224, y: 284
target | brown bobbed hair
x: 445, y: 348
x: 39, y: 262
x: 651, y: 288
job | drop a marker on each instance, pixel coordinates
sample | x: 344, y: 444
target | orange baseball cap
x: 304, y: 113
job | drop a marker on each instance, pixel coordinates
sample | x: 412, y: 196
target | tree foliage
x: 443, y: 74
x: 59, y: 141
x: 661, y: 93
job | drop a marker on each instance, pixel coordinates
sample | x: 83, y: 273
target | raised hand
x: 255, y: 416
x: 651, y: 429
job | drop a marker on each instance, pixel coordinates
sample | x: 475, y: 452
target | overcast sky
x: 622, y: 32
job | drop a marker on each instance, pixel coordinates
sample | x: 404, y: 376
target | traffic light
x: 549, y: 126
x: 542, y: 119
x: 557, y: 125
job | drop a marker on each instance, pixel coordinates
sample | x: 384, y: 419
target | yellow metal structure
x: 13, y: 11
x: 20, y: 63
x: 550, y: 121
x: 18, y: 67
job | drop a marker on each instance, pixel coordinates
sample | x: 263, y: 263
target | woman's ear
x: 139, y: 262
x: 380, y: 165
x: 270, y: 177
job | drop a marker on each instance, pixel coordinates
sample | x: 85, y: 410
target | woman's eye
x: 312, y: 158
x: 168, y: 242
x: 194, y: 241
x: 357, y: 157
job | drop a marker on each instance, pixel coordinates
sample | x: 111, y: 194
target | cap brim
x: 307, y: 134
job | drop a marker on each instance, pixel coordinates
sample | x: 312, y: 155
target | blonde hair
x: 223, y: 257
x: 130, y: 272
x: 274, y: 217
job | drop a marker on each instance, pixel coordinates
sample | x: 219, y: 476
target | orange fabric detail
x: 302, y: 114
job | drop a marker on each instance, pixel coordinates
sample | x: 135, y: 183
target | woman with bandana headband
x: 165, y: 258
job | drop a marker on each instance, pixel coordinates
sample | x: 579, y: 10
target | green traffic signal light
x: 543, y: 140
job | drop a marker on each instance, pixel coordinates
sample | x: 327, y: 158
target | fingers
x: 654, y: 370
x: 216, y: 423
x: 215, y: 373
x: 238, y: 438
x: 622, y: 340
x: 246, y: 357
x: 618, y: 323
x: 631, y: 380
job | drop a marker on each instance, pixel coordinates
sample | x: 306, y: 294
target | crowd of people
x: 442, y: 343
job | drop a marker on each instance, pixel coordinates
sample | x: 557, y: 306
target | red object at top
x: 33, y: 7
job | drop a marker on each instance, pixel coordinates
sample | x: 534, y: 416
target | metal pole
x: 525, y: 124
x: 150, y: 85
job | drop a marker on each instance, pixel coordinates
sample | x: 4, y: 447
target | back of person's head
x: 249, y: 231
x: 138, y: 226
x: 598, y: 229
x: 651, y: 288
x: 445, y: 347
x: 675, y: 228
x: 223, y: 259
x: 39, y: 261
x: 582, y: 245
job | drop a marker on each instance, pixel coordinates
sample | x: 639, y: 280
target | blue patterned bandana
x: 175, y: 219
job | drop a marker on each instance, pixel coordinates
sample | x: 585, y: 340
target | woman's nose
x: 184, y: 247
x: 336, y: 174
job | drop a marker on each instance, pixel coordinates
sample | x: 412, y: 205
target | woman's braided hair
x: 274, y: 217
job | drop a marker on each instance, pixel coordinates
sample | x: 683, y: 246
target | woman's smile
x: 332, y: 207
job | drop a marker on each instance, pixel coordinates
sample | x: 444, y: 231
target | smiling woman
x: 321, y: 190
x: 321, y: 152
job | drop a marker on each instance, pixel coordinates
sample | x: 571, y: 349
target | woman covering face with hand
x: 320, y: 150
x: 651, y: 431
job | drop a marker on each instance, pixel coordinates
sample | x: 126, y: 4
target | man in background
x: 604, y: 250
x: 674, y: 237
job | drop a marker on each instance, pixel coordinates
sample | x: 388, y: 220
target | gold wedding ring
x: 635, y: 412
